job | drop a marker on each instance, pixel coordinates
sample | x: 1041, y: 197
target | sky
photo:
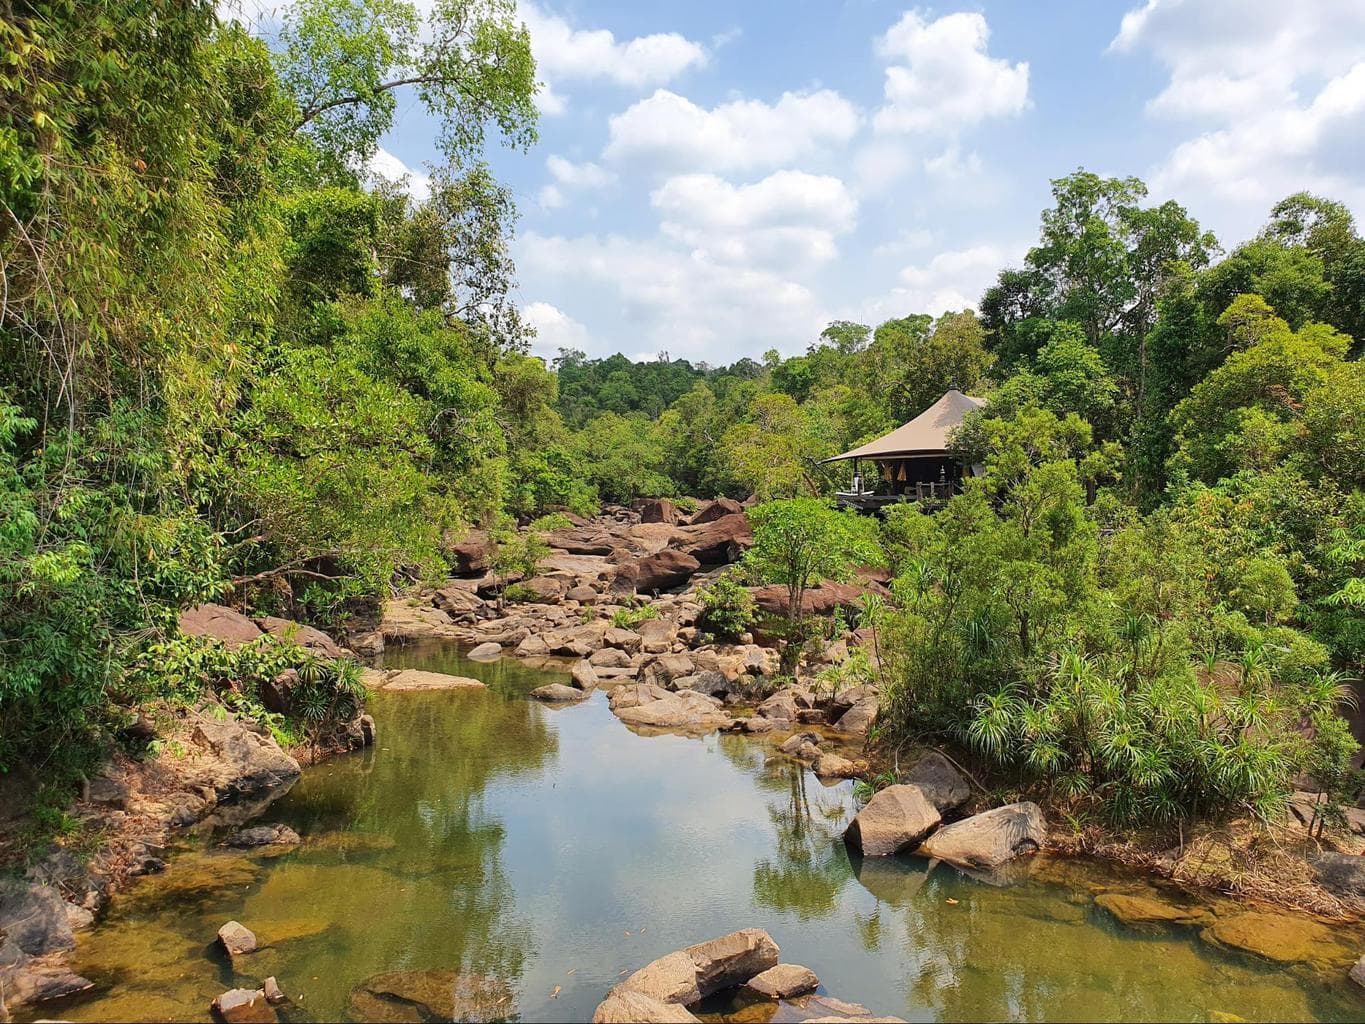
x: 717, y: 179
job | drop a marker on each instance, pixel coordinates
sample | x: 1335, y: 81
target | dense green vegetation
x: 232, y: 368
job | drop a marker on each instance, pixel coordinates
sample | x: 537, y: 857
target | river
x: 552, y: 849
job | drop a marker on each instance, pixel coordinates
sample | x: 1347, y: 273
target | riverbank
x: 552, y: 851
x: 652, y: 561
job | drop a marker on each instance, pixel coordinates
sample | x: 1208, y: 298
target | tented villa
x: 912, y: 462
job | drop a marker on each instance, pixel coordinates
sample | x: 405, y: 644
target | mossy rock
x: 403, y: 996
x: 1147, y: 910
x: 1281, y: 937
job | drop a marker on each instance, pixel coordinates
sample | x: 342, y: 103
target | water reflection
x: 810, y: 866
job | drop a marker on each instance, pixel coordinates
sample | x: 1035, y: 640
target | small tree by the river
x: 800, y: 541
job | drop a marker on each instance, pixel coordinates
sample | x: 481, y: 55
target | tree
x: 801, y: 541
x: 469, y: 62
x: 913, y: 361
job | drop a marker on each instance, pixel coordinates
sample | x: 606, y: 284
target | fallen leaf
x: 572, y: 970
x: 951, y: 902
x: 555, y: 993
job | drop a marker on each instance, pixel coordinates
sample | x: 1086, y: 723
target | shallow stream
x: 553, y: 850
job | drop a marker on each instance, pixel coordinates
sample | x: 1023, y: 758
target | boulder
x: 685, y: 710
x: 718, y: 509
x: 832, y: 766
x: 1341, y: 873
x: 262, y: 835
x: 987, y: 840
x: 244, y: 763
x: 757, y: 726
x: 219, y: 623
x: 433, y: 995
x: 783, y: 982
x: 713, y: 683
x: 314, y: 641
x: 662, y: 671
x: 582, y: 594
x: 486, y: 652
x: 781, y: 706
x: 244, y: 1006
x: 825, y: 599
x: 34, y: 918
x: 273, y: 994
x: 1280, y: 937
x: 609, y: 657
x: 412, y: 679
x: 582, y: 541
x: 719, y: 541
x: 627, y: 1007
x: 627, y: 640
x: 556, y: 692
x: 656, y: 635
x: 857, y: 720
x: 534, y: 646
x: 583, y: 676
x: 670, y: 979
x: 797, y: 743
x: 660, y: 510
x: 662, y: 570
x: 941, y: 783
x: 277, y: 694
x: 544, y: 589
x: 896, y: 818
x: 1136, y: 910
x: 406, y: 621
x: 472, y: 555
x: 236, y: 939
x: 732, y: 959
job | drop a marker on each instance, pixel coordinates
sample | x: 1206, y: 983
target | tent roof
x: 926, y: 434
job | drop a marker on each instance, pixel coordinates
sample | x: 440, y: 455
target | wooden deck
x: 928, y: 494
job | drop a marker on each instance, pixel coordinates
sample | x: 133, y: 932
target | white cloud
x: 1277, y: 89
x: 549, y: 102
x: 555, y: 329
x: 550, y: 197
x: 387, y: 166
x: 941, y: 78
x: 952, y: 280
x: 672, y: 130
x: 682, y: 302
x: 787, y: 221
x: 564, y: 52
x: 584, y: 175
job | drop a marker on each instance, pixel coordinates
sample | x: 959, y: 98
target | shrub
x: 629, y: 618
x: 727, y: 608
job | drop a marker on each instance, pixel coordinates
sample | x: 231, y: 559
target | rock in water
x: 857, y: 720
x: 1137, y: 910
x: 626, y: 1007
x: 556, y: 692
x: 583, y: 676
x: 896, y: 818
x: 262, y: 835
x: 417, y: 679
x: 247, y: 762
x: 237, y: 939
x: 832, y: 766
x: 941, y: 783
x: 244, y: 1006
x: 670, y: 979
x: 486, y: 652
x: 732, y: 959
x: 987, y: 840
x: 273, y: 994
x: 783, y: 981
x: 433, y: 995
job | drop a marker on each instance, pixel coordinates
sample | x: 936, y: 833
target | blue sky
x: 717, y: 179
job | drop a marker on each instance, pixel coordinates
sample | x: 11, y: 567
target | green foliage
x: 629, y: 618
x: 727, y: 607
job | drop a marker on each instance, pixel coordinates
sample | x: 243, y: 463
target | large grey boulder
x: 583, y: 676
x: 990, y: 839
x: 896, y: 818
x: 857, y: 720
x: 1341, y: 873
x: 732, y: 959
x: 941, y: 783
x: 237, y: 939
x: 783, y: 982
x: 245, y: 763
